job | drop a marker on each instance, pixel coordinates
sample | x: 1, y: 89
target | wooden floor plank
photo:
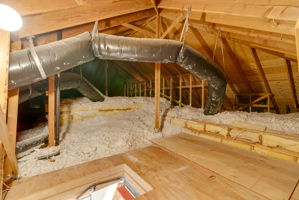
x: 171, y: 177
x: 269, y: 177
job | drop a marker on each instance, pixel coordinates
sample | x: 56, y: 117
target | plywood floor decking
x: 185, y: 167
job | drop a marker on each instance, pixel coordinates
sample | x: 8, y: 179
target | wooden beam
x: 4, y: 64
x: 297, y: 41
x: 56, y: 20
x: 172, y: 26
x: 282, y: 45
x: 292, y: 83
x: 138, y: 29
x: 203, y: 94
x: 157, y: 80
x: 264, y: 78
x: 237, y: 63
x: 190, y: 89
x: 4, y: 137
x: 253, y: 102
x: 12, y: 115
x: 51, y: 111
x: 209, y: 52
x: 180, y: 89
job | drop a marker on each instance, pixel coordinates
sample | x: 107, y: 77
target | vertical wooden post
x: 124, y: 90
x: 12, y: 115
x: 131, y: 90
x: 4, y: 62
x: 106, y: 78
x: 150, y: 88
x: 157, y: 93
x: 135, y: 89
x: 51, y: 110
x: 180, y: 90
x: 157, y: 80
x: 140, y: 89
x: 268, y: 103
x: 202, y: 94
x: 190, y: 89
x: 297, y: 41
x: 170, y: 89
x: 250, y: 99
x: 163, y: 86
x: 144, y: 88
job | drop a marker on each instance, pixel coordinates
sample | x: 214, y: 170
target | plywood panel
x: 171, y: 177
x: 273, y: 178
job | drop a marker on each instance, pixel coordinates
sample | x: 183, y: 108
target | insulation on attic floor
x: 108, y: 135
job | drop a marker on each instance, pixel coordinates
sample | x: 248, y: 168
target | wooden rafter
x: 264, y: 78
x: 297, y: 41
x: 254, y: 14
x: 56, y: 20
x: 141, y: 30
x: 237, y: 63
x: 172, y: 26
x: 292, y: 83
x: 284, y: 45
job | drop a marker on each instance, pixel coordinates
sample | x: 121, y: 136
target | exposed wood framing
x: 209, y: 52
x: 264, y: 78
x: 172, y: 26
x: 292, y: 83
x: 236, y: 62
x: 180, y: 89
x: 12, y: 115
x: 190, y: 89
x: 51, y: 111
x: 202, y: 94
x: 297, y: 41
x: 141, y: 30
x: 92, y: 11
x: 4, y: 60
x: 275, y: 43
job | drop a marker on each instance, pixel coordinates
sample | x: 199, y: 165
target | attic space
x: 149, y: 99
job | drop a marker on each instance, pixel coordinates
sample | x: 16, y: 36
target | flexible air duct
x: 68, y: 80
x: 65, y: 54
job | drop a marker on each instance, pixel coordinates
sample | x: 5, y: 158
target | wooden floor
x: 185, y: 167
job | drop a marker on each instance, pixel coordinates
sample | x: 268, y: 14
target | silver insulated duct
x: 65, y: 54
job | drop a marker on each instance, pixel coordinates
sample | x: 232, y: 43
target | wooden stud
x: 292, y: 83
x: 172, y: 26
x: 144, y: 88
x: 250, y: 99
x: 138, y: 29
x: 150, y: 88
x: 106, y: 78
x: 5, y: 145
x: 163, y: 85
x: 51, y: 111
x: 180, y: 89
x: 4, y: 62
x: 202, y: 94
x: 157, y: 80
x: 237, y: 63
x: 190, y: 89
x: 171, y: 88
x: 135, y: 89
x: 140, y: 89
x: 268, y: 103
x: 264, y: 78
x: 297, y: 41
x: 12, y: 115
